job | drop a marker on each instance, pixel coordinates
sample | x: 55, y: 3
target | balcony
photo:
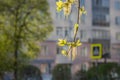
x: 60, y: 59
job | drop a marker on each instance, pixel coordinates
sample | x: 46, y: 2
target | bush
x: 80, y: 75
x: 101, y: 72
x: 29, y: 71
x: 62, y: 72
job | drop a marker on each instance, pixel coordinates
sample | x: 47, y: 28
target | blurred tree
x: 30, y: 71
x: 62, y: 72
x: 80, y: 75
x: 101, y: 71
x: 23, y: 24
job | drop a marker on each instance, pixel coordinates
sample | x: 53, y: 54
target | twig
x: 75, y: 32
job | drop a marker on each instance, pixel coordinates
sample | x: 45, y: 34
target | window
x: 83, y: 34
x: 84, y: 51
x: 117, y: 5
x: 118, y: 36
x: 44, y: 50
x: 45, y: 68
x: 96, y: 34
x: 117, y: 20
x: 105, y: 3
x: 101, y: 19
x: 96, y: 2
x: 59, y: 50
x: 60, y: 15
x: 101, y: 34
x: 59, y: 31
x: 100, y: 13
x: 67, y: 33
x: 84, y: 67
x: 82, y: 2
x: 118, y: 51
x: 82, y: 18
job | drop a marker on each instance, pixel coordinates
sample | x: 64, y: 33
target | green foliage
x: 29, y: 71
x: 101, y: 69
x: 80, y: 75
x: 23, y: 25
x: 5, y: 56
x: 101, y: 72
x: 62, y: 72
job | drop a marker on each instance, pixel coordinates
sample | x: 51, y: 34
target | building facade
x: 100, y: 25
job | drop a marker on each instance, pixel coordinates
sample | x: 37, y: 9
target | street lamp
x: 105, y: 56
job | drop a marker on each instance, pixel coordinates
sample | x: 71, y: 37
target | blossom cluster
x: 66, y: 7
x: 71, y: 45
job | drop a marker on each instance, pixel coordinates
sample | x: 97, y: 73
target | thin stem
x: 75, y: 33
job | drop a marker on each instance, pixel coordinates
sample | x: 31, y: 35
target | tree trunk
x: 1, y: 76
x: 105, y: 60
x: 15, y: 65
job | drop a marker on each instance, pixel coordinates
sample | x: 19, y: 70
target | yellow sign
x: 96, y: 51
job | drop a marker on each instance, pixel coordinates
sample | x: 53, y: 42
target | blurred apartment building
x: 100, y: 25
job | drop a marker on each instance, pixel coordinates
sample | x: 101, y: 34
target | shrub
x: 61, y: 72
